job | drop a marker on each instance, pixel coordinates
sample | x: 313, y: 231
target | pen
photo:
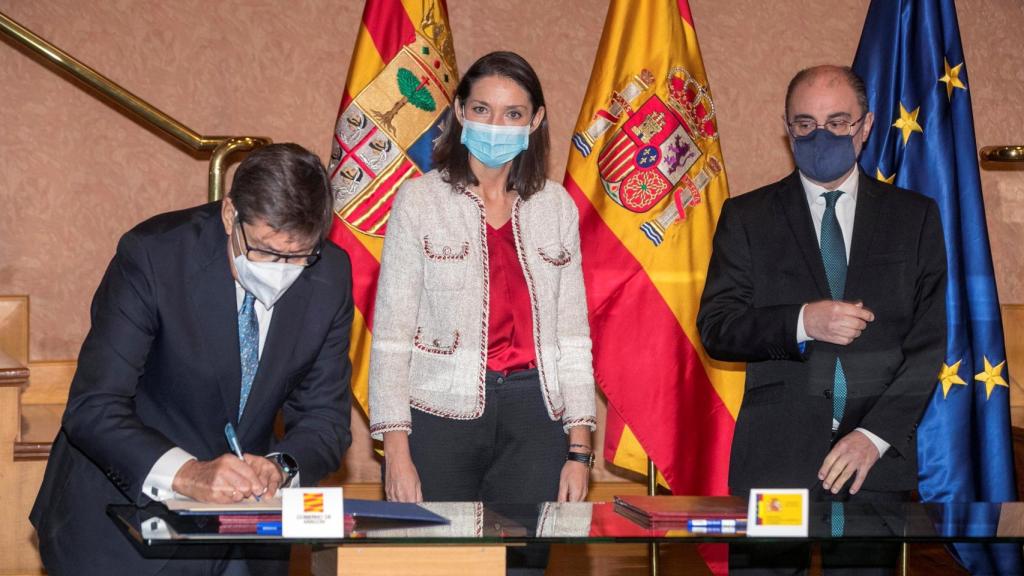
x: 229, y: 433
x: 716, y: 523
x: 714, y: 530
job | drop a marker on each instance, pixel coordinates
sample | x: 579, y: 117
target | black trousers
x: 513, y: 453
x: 838, y: 558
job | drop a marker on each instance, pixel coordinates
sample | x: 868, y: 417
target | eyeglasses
x: 261, y: 255
x: 838, y: 126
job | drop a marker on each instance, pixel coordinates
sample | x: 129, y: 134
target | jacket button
x: 827, y: 393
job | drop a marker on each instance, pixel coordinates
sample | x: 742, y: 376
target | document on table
x: 248, y: 506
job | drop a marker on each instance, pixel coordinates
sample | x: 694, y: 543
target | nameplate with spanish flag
x: 777, y: 512
x: 312, y: 513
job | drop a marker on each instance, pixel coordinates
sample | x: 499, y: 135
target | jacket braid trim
x: 383, y: 427
x: 450, y: 414
x: 436, y: 347
x: 585, y: 421
x: 536, y: 309
x: 446, y: 253
x: 563, y: 257
x: 481, y: 384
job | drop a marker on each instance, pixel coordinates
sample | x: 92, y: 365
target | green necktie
x: 833, y: 255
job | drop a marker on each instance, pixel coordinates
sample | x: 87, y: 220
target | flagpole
x: 652, y: 490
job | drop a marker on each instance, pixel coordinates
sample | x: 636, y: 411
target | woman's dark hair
x: 529, y: 169
x: 286, y: 186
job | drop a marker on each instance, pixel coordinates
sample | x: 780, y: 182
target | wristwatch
x: 586, y: 458
x: 289, y: 467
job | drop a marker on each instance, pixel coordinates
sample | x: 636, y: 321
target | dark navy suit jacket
x: 160, y: 368
x: 766, y: 264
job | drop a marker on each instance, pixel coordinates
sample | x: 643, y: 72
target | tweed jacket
x: 430, y: 320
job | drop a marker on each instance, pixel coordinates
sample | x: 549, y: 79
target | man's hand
x: 835, y: 321
x: 226, y: 479
x: 268, y: 472
x: 854, y: 453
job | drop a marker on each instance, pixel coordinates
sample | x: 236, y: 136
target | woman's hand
x: 401, y: 482
x: 575, y: 480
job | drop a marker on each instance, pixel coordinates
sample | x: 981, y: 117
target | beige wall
x: 75, y: 174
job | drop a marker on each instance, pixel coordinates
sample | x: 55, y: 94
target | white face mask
x: 267, y: 281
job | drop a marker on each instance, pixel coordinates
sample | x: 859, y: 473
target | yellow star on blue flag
x: 949, y: 376
x: 907, y: 122
x: 952, y: 78
x: 992, y: 376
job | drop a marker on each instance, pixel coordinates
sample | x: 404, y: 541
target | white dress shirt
x: 157, y: 484
x: 846, y: 209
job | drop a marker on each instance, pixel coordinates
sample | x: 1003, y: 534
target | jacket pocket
x: 432, y: 367
x: 444, y: 263
x: 772, y: 393
x: 555, y: 255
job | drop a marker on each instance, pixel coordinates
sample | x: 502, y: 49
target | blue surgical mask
x: 494, y: 145
x: 822, y: 156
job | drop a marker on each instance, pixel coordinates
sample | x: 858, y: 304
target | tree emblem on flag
x: 384, y: 134
x: 413, y: 92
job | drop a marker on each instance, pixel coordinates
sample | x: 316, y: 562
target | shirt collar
x: 848, y: 186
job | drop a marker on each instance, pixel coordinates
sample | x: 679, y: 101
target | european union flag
x: 912, y: 62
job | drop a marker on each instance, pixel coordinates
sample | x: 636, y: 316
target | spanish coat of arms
x: 659, y: 151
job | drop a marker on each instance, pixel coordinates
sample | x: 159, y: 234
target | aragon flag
x: 647, y: 174
x: 401, y: 81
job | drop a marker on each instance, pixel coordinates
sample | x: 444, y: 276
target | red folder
x: 669, y: 511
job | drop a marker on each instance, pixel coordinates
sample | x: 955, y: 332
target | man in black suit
x: 831, y: 286
x: 225, y: 313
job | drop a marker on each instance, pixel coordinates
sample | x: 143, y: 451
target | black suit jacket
x: 766, y: 264
x: 160, y: 368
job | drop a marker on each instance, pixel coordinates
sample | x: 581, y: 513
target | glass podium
x: 475, y: 528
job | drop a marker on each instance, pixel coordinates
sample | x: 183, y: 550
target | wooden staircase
x: 24, y: 445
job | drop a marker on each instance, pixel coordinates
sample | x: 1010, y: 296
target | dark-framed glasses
x: 261, y: 255
x: 839, y: 126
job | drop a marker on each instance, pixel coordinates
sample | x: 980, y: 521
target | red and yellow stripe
x: 313, y: 502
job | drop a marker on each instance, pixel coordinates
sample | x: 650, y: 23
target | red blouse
x: 510, y: 344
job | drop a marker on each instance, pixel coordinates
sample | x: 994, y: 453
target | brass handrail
x: 221, y: 146
x: 1002, y: 153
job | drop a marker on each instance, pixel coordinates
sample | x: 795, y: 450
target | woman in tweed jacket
x: 481, y: 381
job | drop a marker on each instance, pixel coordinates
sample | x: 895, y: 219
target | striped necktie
x: 833, y: 255
x: 249, y: 347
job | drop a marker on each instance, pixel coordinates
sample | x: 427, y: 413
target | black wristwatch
x: 585, y: 458
x: 289, y: 467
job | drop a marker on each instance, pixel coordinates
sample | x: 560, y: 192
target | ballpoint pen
x: 229, y: 433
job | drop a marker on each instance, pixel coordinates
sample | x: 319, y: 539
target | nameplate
x: 312, y: 513
x: 777, y: 512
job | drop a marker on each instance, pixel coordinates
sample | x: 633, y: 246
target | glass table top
x: 600, y: 522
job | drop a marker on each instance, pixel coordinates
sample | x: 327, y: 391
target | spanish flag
x: 647, y: 174
x: 398, y: 95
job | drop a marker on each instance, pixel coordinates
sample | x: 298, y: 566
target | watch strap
x: 585, y: 458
